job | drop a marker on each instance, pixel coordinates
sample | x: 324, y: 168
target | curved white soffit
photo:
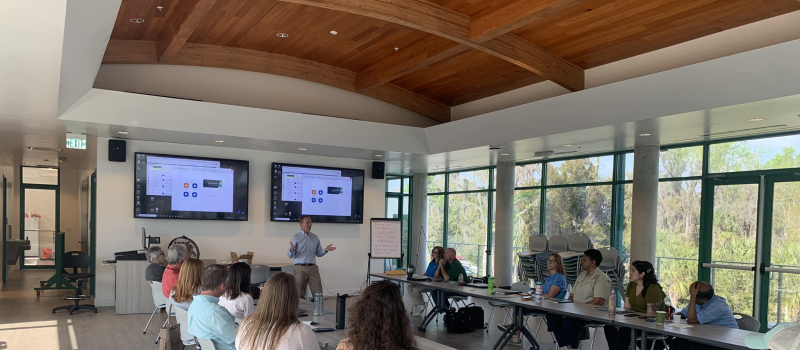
x: 756, y: 75
x: 153, y: 112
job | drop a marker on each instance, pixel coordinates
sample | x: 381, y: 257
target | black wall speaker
x: 116, y: 150
x: 378, y: 169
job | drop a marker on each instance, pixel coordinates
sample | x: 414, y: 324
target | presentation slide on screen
x: 193, y: 185
x: 321, y: 191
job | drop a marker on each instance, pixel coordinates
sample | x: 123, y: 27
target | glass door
x: 780, y: 285
x: 39, y: 226
x: 730, y: 259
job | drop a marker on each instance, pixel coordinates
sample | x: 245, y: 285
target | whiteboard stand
x: 385, y: 241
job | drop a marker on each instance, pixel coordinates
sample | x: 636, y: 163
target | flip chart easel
x: 385, y: 241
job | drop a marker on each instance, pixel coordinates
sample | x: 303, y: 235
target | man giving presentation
x: 304, y: 248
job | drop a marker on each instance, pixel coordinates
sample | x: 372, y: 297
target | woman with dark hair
x: 643, y: 295
x: 378, y: 320
x: 415, y: 291
x: 274, y: 325
x: 237, y: 299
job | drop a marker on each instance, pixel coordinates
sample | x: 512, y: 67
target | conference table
x: 723, y: 337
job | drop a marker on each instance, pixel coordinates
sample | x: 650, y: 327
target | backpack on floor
x: 475, y: 314
x: 458, y: 321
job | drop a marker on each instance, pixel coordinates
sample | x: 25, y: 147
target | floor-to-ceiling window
x: 398, y: 206
x: 723, y: 207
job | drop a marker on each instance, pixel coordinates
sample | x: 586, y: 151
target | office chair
x: 76, y: 260
x: 747, y: 322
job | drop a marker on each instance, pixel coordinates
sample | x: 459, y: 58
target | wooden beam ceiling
x: 182, y: 19
x: 191, y: 54
x: 452, y: 25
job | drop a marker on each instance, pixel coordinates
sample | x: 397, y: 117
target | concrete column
x: 503, y: 251
x: 419, y: 220
x: 645, y: 203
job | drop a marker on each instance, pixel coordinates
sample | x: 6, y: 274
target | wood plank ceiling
x: 425, y: 56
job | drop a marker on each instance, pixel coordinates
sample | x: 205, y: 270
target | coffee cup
x: 661, y: 317
x: 676, y: 318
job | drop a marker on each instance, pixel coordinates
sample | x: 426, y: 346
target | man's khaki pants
x: 307, y: 275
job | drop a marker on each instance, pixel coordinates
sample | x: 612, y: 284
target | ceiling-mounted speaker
x: 378, y: 170
x: 116, y: 150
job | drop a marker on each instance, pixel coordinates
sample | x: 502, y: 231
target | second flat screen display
x: 334, y: 195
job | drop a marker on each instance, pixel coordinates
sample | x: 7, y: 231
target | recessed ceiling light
x: 396, y: 49
x: 756, y: 120
x: 567, y: 145
x: 122, y: 132
x: 379, y: 155
x: 644, y: 135
x: 302, y: 149
x: 504, y: 154
x: 283, y: 35
x: 333, y: 32
x: 137, y: 20
x: 219, y: 141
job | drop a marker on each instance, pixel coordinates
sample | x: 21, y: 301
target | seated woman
x: 555, y: 286
x: 188, y: 283
x: 643, y: 295
x: 158, y: 263
x: 415, y: 291
x: 237, y: 299
x: 378, y: 320
x: 274, y: 324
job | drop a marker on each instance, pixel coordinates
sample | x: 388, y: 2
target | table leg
x: 522, y: 327
x: 633, y: 339
x: 505, y: 337
x: 643, y: 343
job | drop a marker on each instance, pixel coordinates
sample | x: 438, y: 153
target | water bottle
x: 491, y: 285
x: 341, y: 308
x: 460, y: 279
x: 319, y: 307
x: 612, y: 303
x: 538, y: 293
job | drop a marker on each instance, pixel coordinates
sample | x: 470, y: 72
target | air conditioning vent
x: 46, y: 149
x: 770, y: 128
x: 543, y: 154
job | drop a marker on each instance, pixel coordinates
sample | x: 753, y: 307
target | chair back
x: 259, y: 274
x: 558, y: 244
x: 579, y: 242
x: 537, y: 243
x: 158, y: 295
x: 610, y: 256
x: 206, y: 344
x: 519, y: 287
x: 747, y: 322
x: 76, y: 260
x: 182, y: 316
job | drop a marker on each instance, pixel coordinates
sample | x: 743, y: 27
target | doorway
x: 744, y: 254
x: 39, y: 217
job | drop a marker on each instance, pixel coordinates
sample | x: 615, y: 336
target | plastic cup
x: 676, y: 318
x: 661, y: 317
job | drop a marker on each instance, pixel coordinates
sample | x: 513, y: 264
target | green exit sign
x: 76, y: 141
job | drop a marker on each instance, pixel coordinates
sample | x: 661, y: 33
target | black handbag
x: 476, y: 316
x: 458, y: 321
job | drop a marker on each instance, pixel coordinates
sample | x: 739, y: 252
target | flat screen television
x: 182, y: 187
x: 334, y: 195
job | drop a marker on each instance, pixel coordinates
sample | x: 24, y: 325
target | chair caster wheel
x: 421, y: 329
x: 38, y: 293
x: 95, y: 310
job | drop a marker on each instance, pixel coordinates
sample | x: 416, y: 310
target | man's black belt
x: 305, y: 264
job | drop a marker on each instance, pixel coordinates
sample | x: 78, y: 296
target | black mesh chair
x: 76, y: 260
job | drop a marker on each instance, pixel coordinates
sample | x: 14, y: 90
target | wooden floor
x: 27, y: 322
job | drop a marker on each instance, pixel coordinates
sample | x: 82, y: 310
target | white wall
x: 251, y: 89
x: 343, y: 270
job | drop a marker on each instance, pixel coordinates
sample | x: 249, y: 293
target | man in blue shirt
x: 304, y: 248
x: 208, y: 320
x: 705, y: 308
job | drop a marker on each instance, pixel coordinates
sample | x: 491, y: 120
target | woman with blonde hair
x: 274, y: 325
x: 188, y: 282
x: 555, y: 285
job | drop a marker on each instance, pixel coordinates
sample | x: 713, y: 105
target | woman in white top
x: 237, y: 299
x: 274, y: 325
